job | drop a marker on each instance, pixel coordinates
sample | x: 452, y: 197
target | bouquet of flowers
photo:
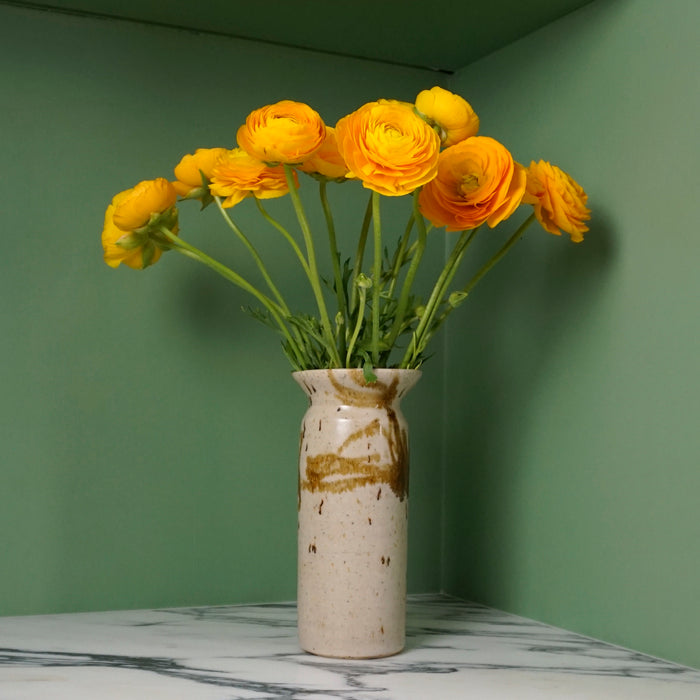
x: 430, y: 150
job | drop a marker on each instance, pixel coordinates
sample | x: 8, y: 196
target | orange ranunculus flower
x: 137, y: 247
x: 452, y: 114
x: 389, y: 147
x: 149, y: 197
x: 285, y: 132
x: 238, y: 175
x: 559, y: 201
x: 478, y: 181
x: 327, y: 161
x: 190, y: 169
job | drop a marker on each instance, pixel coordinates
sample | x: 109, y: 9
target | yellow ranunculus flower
x: 189, y: 170
x: 559, y: 201
x: 238, y: 175
x: 285, y: 132
x: 148, y: 197
x: 327, y: 161
x: 388, y: 147
x: 451, y: 113
x: 478, y: 181
x: 137, y: 248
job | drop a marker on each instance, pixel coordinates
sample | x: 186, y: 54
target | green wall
x: 149, y: 428
x: 573, y: 447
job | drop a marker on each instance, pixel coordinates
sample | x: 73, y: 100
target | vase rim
x: 352, y: 378
x: 352, y: 370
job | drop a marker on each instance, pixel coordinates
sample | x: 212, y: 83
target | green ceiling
x: 443, y: 36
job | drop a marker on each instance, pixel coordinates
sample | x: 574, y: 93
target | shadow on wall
x: 500, y: 351
x: 210, y: 307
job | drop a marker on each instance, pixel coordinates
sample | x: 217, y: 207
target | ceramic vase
x: 353, y: 513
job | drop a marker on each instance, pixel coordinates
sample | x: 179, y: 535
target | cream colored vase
x: 353, y: 513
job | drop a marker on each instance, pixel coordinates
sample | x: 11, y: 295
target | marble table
x: 455, y: 650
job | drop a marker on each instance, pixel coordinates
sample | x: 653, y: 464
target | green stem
x: 430, y: 332
x: 499, y: 254
x: 334, y: 358
x: 376, y: 276
x: 446, y: 276
x: 335, y: 258
x: 261, y: 266
x: 288, y: 236
x: 410, y: 274
x: 227, y: 273
x: 358, y: 325
x: 307, y: 270
x: 359, y: 255
x: 401, y: 257
x: 434, y: 327
x: 254, y: 253
x: 300, y: 256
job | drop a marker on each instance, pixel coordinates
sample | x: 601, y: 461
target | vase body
x: 353, y: 513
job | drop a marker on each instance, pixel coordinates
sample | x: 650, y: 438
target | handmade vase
x: 353, y: 513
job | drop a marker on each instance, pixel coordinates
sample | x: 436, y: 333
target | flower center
x: 469, y: 183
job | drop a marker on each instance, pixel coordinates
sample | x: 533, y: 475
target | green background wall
x: 149, y: 427
x: 573, y: 447
x: 147, y: 424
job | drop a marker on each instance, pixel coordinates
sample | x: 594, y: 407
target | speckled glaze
x: 353, y: 513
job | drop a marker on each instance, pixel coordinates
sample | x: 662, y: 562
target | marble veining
x: 454, y: 650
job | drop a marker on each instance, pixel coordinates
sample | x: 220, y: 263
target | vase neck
x: 348, y: 386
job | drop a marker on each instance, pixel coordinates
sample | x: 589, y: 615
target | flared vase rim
x: 379, y: 371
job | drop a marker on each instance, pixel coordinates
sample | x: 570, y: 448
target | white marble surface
x: 455, y: 650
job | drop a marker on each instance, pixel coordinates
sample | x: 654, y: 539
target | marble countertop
x: 455, y: 650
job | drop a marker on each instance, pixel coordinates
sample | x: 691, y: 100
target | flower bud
x: 456, y: 298
x: 452, y: 115
x: 131, y: 233
x: 193, y: 173
x: 362, y: 281
x: 133, y: 208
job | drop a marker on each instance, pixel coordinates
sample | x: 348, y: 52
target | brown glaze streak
x: 368, y: 431
x: 335, y: 473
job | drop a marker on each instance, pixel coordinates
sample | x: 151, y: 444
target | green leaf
x: 260, y: 315
x: 367, y: 371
